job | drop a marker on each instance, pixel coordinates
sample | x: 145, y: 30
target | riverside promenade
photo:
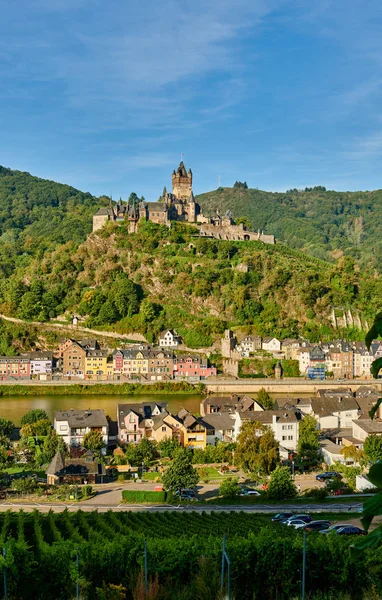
x: 221, y: 385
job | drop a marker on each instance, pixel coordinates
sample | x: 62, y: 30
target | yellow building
x: 195, y: 434
x: 96, y: 366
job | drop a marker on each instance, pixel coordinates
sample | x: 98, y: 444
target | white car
x: 249, y: 493
x: 298, y: 523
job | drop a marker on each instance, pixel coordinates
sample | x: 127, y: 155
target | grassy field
x: 131, y: 389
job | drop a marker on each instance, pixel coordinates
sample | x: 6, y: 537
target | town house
x: 219, y: 427
x: 96, y: 366
x: 135, y: 421
x: 284, y: 424
x: 14, y: 368
x: 74, y: 356
x: 192, y: 366
x: 195, y: 435
x: 73, y: 425
x: 169, y: 339
x: 271, y: 344
x: 160, y: 365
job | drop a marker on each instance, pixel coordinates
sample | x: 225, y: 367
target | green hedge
x: 130, y: 496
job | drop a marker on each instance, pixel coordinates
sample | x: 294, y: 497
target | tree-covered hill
x: 157, y: 278
x: 162, y: 277
x: 322, y: 223
x: 37, y: 214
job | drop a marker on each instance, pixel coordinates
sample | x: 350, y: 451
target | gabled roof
x: 82, y: 418
x: 144, y: 410
x: 327, y: 406
x: 218, y: 421
x: 366, y: 390
x: 369, y: 426
x: 57, y: 464
x: 266, y: 416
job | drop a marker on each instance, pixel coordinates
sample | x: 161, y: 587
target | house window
x: 164, y: 428
x: 131, y: 418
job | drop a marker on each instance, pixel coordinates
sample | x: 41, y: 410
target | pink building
x: 14, y: 367
x: 192, y: 366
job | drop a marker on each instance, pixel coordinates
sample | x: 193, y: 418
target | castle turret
x: 182, y: 182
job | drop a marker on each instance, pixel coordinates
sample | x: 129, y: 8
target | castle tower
x: 182, y: 182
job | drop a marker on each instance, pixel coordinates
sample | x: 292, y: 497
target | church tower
x: 182, y: 182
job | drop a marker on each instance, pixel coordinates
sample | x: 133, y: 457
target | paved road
x: 87, y: 506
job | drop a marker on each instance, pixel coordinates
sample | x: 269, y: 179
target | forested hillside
x: 323, y: 223
x: 37, y: 214
x: 161, y: 278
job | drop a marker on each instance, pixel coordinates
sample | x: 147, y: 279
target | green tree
x: 42, y: 427
x: 148, y: 449
x: 264, y: 399
x: 28, y: 485
x: 6, y: 427
x: 180, y: 474
x: 229, y: 488
x: 308, y: 447
x: 126, y: 296
x: 36, y: 414
x: 373, y: 448
x: 148, y: 311
x: 167, y: 447
x: 245, y: 221
x: 52, y: 443
x: 257, y: 450
x: 281, y: 485
x: 93, y: 441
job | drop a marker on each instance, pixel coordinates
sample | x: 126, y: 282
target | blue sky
x: 105, y: 96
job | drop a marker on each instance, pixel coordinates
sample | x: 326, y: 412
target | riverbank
x: 98, y: 389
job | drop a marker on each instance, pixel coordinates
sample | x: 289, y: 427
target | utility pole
x: 78, y: 576
x: 303, y: 566
x: 146, y: 567
x: 5, y: 576
x: 225, y: 559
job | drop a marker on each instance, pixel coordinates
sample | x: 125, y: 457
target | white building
x: 219, y: 427
x: 364, y: 427
x: 284, y: 424
x: 73, y: 425
x: 41, y: 362
x: 362, y: 363
x: 271, y: 345
x: 332, y: 412
x: 249, y: 344
x: 169, y: 339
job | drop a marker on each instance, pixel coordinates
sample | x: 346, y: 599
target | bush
x: 25, y: 486
x: 281, y: 486
x: 132, y: 496
x: 87, y: 490
x: 229, y: 488
x: 316, y: 493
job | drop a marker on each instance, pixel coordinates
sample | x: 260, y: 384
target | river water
x: 14, y: 407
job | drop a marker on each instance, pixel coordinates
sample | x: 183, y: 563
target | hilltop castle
x: 177, y: 205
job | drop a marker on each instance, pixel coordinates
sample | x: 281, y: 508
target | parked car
x: 351, y: 530
x: 186, y: 494
x: 281, y: 517
x: 249, y: 492
x: 298, y: 523
x: 317, y: 525
x: 305, y: 518
x: 328, y: 475
x: 333, y: 528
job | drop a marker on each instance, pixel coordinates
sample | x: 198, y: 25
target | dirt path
x: 138, y: 337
